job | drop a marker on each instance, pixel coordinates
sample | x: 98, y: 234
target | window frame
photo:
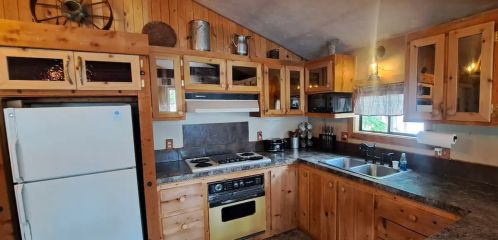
x: 389, y: 132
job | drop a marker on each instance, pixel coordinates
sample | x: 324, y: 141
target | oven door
x: 238, y: 219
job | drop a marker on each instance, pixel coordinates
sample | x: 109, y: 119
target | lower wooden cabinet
x: 346, y: 214
x: 184, y: 226
x: 322, y: 206
x: 364, y: 215
x: 304, y: 194
x: 387, y: 230
x: 283, y: 199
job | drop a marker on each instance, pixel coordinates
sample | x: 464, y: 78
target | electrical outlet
x: 344, y: 136
x: 260, y: 136
x: 169, y: 144
x: 445, y: 153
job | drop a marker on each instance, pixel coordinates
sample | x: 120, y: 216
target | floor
x: 291, y: 235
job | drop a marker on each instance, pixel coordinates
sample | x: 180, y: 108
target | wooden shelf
x: 329, y: 115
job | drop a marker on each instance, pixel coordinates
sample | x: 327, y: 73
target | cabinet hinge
x: 375, y: 204
x: 141, y: 63
x: 181, y: 62
x: 143, y: 83
x: 183, y: 83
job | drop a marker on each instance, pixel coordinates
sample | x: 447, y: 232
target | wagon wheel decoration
x: 77, y: 11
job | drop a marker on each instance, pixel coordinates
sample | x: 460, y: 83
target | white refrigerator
x: 74, y: 172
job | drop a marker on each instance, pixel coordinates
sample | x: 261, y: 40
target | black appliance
x: 274, y: 53
x: 330, y: 103
x: 274, y: 145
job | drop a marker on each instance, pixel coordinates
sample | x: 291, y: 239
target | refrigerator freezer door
x: 103, y: 206
x: 49, y: 143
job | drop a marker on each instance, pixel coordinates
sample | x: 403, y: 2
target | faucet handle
x: 389, y: 156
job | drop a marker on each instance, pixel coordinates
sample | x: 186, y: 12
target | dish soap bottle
x: 403, y: 165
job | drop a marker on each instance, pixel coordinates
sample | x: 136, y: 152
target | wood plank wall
x: 132, y: 15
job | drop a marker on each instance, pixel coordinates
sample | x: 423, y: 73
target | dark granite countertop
x: 475, y: 203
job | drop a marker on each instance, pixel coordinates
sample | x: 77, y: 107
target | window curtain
x: 380, y: 100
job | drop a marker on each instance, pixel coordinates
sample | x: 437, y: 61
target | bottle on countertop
x: 403, y: 165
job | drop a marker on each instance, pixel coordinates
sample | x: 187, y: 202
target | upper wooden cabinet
x: 103, y: 71
x: 426, y: 79
x: 274, y: 90
x: 294, y: 90
x: 22, y: 68
x: 203, y: 73
x: 335, y: 73
x: 470, y: 73
x: 168, y: 96
x: 244, y: 76
x: 61, y: 70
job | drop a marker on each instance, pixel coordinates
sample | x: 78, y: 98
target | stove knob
x: 241, y: 183
x: 218, y: 187
x: 236, y: 185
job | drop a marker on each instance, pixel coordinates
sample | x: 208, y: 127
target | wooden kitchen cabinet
x: 470, y: 73
x: 294, y: 90
x: 274, y: 89
x: 168, y: 95
x: 364, y: 216
x: 315, y: 204
x: 322, y: 205
x: 106, y: 71
x: 425, y: 100
x: 204, y: 73
x: 184, y: 226
x: 244, y: 76
x: 387, y: 230
x: 335, y: 73
x: 345, y: 211
x: 24, y: 68
x: 284, y: 199
x: 304, y: 197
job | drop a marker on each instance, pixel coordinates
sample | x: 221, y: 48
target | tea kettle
x: 240, y: 43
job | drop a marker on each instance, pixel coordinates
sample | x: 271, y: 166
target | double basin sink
x: 362, y: 167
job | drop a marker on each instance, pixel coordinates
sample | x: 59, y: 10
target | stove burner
x: 255, y: 158
x: 232, y: 160
x: 246, y: 154
x: 200, y: 160
x: 203, y: 164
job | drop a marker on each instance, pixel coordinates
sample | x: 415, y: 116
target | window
x: 390, y: 125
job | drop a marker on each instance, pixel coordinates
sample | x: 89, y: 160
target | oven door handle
x: 218, y: 203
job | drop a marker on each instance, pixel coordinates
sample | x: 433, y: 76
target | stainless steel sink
x: 362, y: 167
x: 375, y: 171
x: 344, y: 163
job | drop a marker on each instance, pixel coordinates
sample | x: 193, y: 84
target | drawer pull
x: 331, y: 185
x: 412, y: 217
x: 182, y: 199
x: 343, y: 189
x: 184, y: 226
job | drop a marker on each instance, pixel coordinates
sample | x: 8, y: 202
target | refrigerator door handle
x: 15, y: 163
x: 25, y: 228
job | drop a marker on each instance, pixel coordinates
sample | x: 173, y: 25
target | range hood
x: 221, y: 102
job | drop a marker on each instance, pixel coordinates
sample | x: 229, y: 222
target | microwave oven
x: 330, y: 103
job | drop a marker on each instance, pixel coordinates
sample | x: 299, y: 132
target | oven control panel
x: 235, y: 184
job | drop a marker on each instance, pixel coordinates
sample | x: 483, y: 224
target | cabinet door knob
x: 412, y: 217
x: 184, y: 226
x: 182, y: 199
x: 328, y: 85
x: 305, y: 175
x: 450, y: 111
x: 331, y: 185
x: 435, y: 112
x: 223, y: 85
x: 180, y: 113
x: 343, y: 189
x: 230, y: 85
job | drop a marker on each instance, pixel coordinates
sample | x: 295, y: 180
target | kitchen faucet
x: 373, y: 156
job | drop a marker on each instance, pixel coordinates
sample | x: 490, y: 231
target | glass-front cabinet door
x: 294, y: 83
x: 426, y: 79
x: 22, y: 68
x: 105, y: 71
x: 244, y: 76
x: 470, y: 73
x: 166, y: 87
x: 319, y: 76
x: 274, y: 89
x: 203, y: 73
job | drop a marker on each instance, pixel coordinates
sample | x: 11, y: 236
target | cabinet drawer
x: 388, y: 230
x: 187, y: 226
x: 410, y: 217
x: 180, y: 200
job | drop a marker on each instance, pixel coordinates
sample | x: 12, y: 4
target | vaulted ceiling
x: 304, y: 26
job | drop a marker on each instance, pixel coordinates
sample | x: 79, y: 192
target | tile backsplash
x: 211, y: 139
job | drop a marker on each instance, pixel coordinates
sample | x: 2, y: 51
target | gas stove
x: 225, y: 161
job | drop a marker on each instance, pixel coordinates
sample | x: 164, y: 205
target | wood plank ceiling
x: 304, y: 26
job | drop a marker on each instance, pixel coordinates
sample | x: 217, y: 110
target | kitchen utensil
x: 303, y: 134
x: 301, y: 127
x: 274, y: 53
x: 240, y: 44
x: 199, y: 35
x: 303, y: 143
x: 309, y: 143
x: 294, y: 142
x: 309, y: 126
x: 310, y: 134
x: 160, y: 34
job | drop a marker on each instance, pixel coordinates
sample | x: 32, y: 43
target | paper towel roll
x: 436, y: 139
